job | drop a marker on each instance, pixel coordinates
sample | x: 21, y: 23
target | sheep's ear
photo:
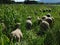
x: 48, y: 15
x: 29, y: 17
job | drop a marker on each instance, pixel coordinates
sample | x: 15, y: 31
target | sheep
x: 48, y: 18
x: 48, y: 15
x: 44, y: 10
x: 49, y: 10
x: 3, y: 27
x: 44, y: 17
x: 16, y: 34
x: 44, y: 25
x: 28, y: 23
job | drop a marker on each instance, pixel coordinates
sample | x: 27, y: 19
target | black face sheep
x: 44, y: 17
x: 44, y: 25
x: 49, y: 19
x: 48, y: 15
x: 49, y: 10
x: 28, y: 23
x: 16, y: 34
x: 44, y: 10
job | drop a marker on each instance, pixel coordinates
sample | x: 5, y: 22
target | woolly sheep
x: 48, y: 18
x: 44, y: 25
x: 3, y: 26
x: 44, y: 17
x: 16, y: 34
x: 44, y: 10
x: 49, y: 10
x: 28, y: 23
x: 48, y: 15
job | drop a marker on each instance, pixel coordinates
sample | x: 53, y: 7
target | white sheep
x: 48, y: 15
x: 44, y: 17
x: 16, y: 34
x: 28, y: 23
x: 48, y: 18
x: 3, y: 27
x: 44, y: 25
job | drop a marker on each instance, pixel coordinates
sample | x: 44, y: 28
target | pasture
x: 13, y: 13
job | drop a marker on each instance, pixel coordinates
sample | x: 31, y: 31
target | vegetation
x: 13, y: 13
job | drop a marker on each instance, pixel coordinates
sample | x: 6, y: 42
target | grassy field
x: 12, y: 13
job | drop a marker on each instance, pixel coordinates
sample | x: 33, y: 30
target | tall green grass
x: 13, y: 13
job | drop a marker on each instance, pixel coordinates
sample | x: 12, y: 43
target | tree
x: 5, y: 1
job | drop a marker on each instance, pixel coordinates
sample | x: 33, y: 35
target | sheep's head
x: 17, y: 25
x: 29, y: 18
x: 44, y: 17
x: 48, y: 15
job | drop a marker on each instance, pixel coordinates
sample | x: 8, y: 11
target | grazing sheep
x: 16, y: 34
x: 3, y: 27
x: 48, y: 18
x: 28, y: 23
x: 44, y: 17
x: 48, y: 15
x: 49, y: 10
x: 3, y: 24
x: 44, y: 25
x: 44, y: 10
